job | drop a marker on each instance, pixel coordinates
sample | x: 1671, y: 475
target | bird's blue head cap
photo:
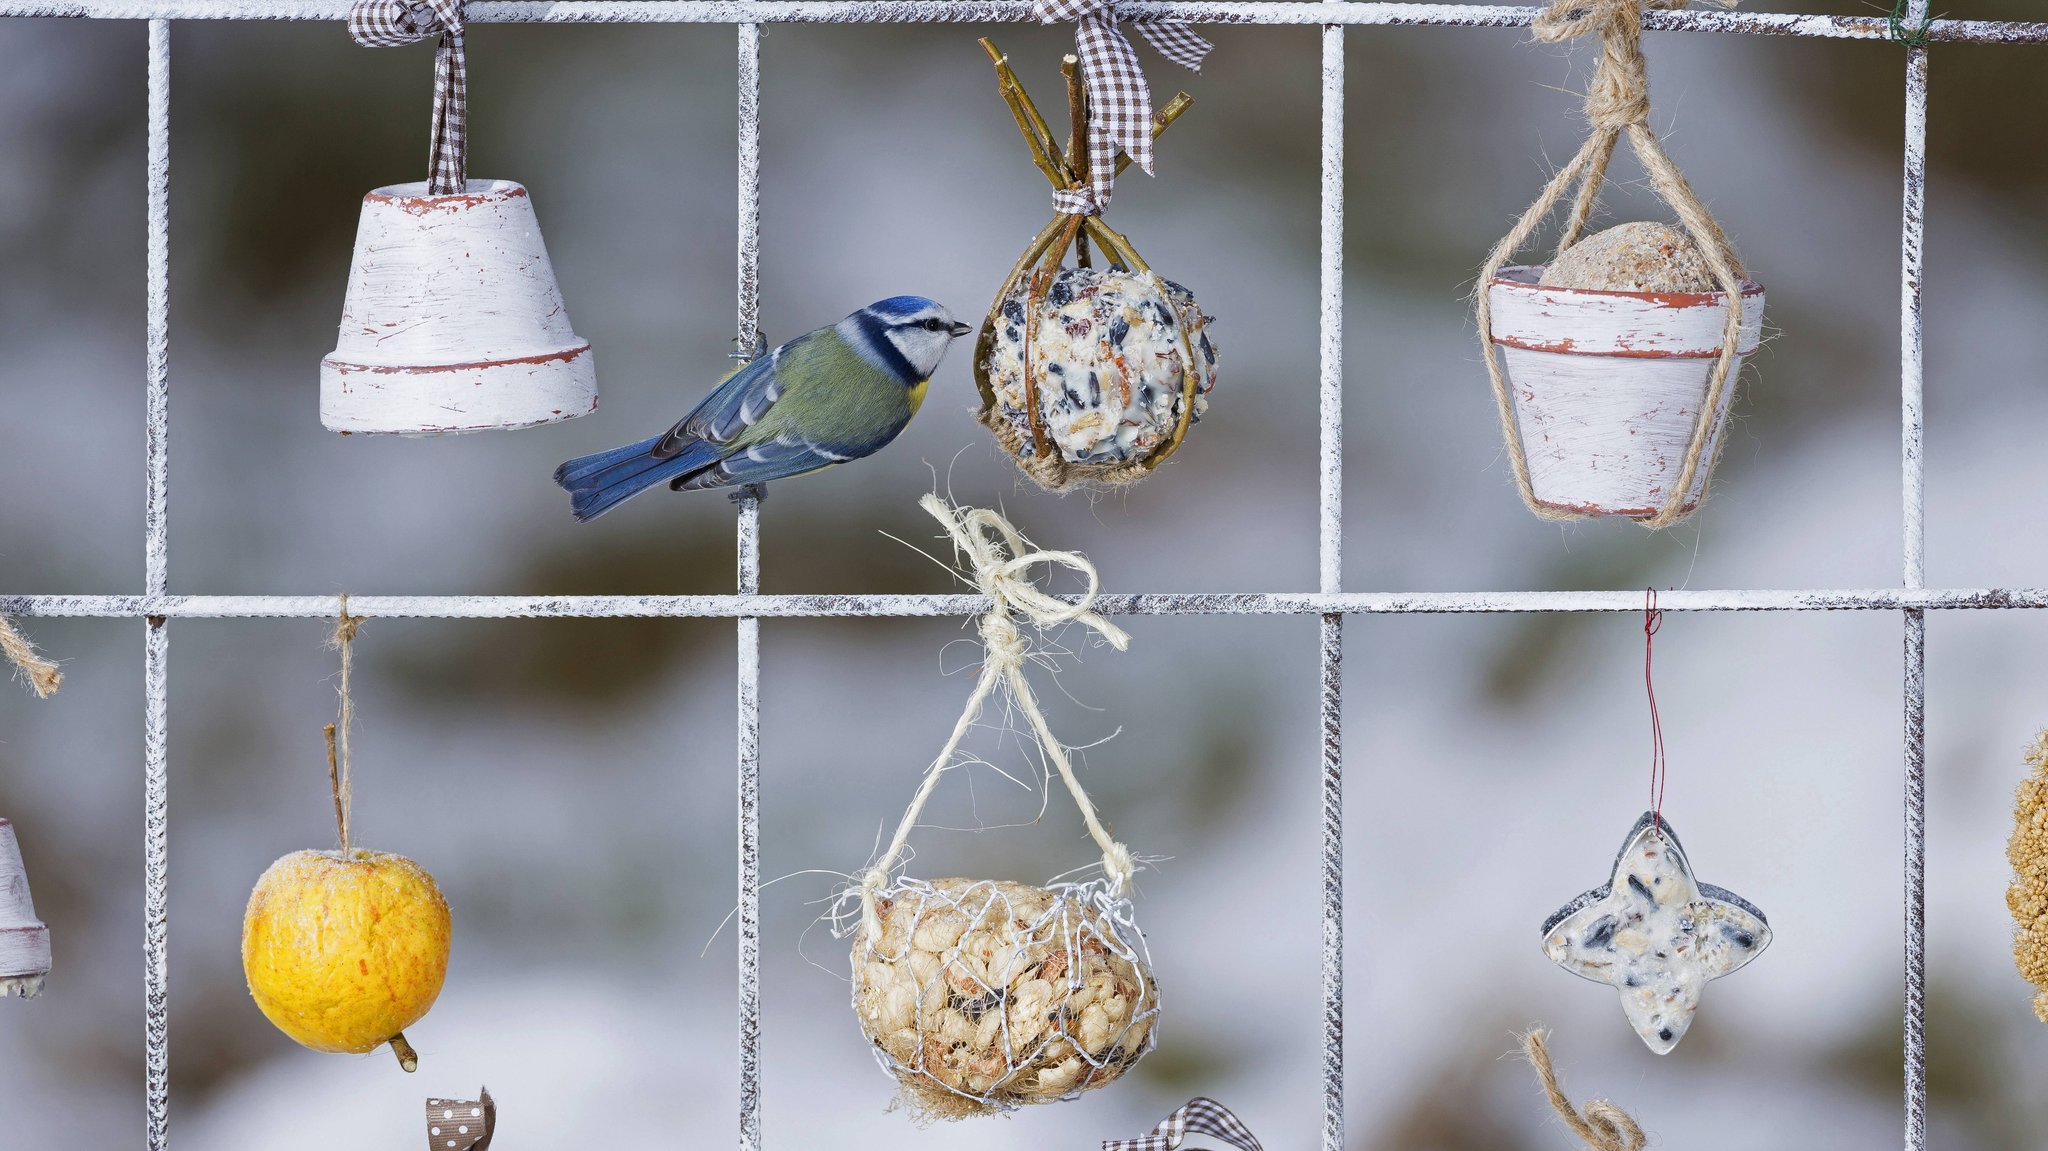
x: 908, y: 335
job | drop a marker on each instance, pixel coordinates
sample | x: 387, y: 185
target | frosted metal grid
x: 156, y: 605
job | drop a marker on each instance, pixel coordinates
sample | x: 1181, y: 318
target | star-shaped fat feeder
x: 1655, y: 933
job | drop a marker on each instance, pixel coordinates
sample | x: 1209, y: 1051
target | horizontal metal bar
x: 1020, y: 11
x: 912, y: 606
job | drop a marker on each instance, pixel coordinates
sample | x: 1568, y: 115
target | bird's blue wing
x: 736, y: 405
x: 775, y: 458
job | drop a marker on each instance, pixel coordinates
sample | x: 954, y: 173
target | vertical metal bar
x: 1913, y: 544
x: 1916, y: 879
x: 750, y: 629
x: 1330, y: 566
x: 156, y: 643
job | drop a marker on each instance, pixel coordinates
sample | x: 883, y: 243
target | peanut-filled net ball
x: 980, y: 995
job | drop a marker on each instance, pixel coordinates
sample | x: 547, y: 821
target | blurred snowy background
x: 571, y: 783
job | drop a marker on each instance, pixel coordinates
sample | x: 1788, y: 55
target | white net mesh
x: 981, y: 995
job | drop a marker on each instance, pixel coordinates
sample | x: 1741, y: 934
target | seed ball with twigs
x: 1095, y: 376
x: 981, y: 995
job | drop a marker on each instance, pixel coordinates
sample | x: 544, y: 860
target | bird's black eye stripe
x: 934, y: 325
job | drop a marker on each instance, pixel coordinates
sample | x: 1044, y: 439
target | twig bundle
x: 1087, y: 375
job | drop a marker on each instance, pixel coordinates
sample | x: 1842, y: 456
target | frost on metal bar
x: 924, y: 606
x: 1330, y: 567
x: 1912, y: 329
x: 1020, y: 11
x: 749, y: 292
x: 156, y: 861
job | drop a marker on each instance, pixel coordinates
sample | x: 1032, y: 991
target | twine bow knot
x: 395, y: 23
x: 1120, y: 102
x: 1000, y: 561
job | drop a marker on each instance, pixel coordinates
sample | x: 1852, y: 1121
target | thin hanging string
x: 1653, y: 619
x: 1603, y: 1127
x: 999, y: 559
x: 41, y: 674
x: 1617, y: 105
x: 338, y: 764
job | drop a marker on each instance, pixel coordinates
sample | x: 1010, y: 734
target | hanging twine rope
x: 338, y: 760
x: 1617, y: 105
x: 395, y: 23
x: 1603, y: 1126
x: 40, y: 674
x: 1000, y: 560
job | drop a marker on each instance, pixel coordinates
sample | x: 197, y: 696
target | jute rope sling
x: 1603, y: 1126
x: 1617, y: 104
x: 42, y: 674
x: 1000, y: 559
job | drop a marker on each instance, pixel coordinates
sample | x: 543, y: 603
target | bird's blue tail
x: 598, y: 483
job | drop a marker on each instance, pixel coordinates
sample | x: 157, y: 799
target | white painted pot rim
x: 473, y: 193
x: 1526, y: 275
x: 1626, y: 325
x: 551, y: 356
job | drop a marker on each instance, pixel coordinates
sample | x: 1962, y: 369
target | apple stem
x: 407, y: 1057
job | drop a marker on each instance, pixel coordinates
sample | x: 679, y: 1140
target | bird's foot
x: 760, y: 348
x: 755, y: 492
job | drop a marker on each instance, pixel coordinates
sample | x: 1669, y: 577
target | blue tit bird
x: 826, y: 397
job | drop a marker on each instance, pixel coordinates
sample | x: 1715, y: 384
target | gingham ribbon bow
x: 393, y: 23
x: 1119, y: 101
x: 1201, y: 1116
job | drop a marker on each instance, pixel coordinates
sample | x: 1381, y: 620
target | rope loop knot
x: 1620, y: 92
x: 1603, y: 1126
x: 1001, y: 563
x: 396, y: 23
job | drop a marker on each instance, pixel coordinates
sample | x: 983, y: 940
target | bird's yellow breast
x: 917, y: 394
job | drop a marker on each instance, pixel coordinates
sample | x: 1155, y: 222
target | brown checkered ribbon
x: 393, y: 23
x: 1119, y: 101
x: 1201, y: 1116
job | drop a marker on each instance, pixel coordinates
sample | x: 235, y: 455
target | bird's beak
x: 960, y: 329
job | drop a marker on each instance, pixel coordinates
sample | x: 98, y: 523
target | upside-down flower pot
x: 1608, y: 388
x: 453, y: 321
x: 24, y: 941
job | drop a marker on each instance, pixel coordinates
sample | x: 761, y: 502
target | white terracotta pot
x: 453, y: 322
x: 24, y: 942
x: 1608, y: 387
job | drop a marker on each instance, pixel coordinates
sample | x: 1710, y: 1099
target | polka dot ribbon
x: 394, y: 23
x: 1119, y: 100
x: 461, y: 1124
x: 1201, y: 1116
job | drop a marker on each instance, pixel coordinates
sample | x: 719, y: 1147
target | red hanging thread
x: 1653, y: 618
